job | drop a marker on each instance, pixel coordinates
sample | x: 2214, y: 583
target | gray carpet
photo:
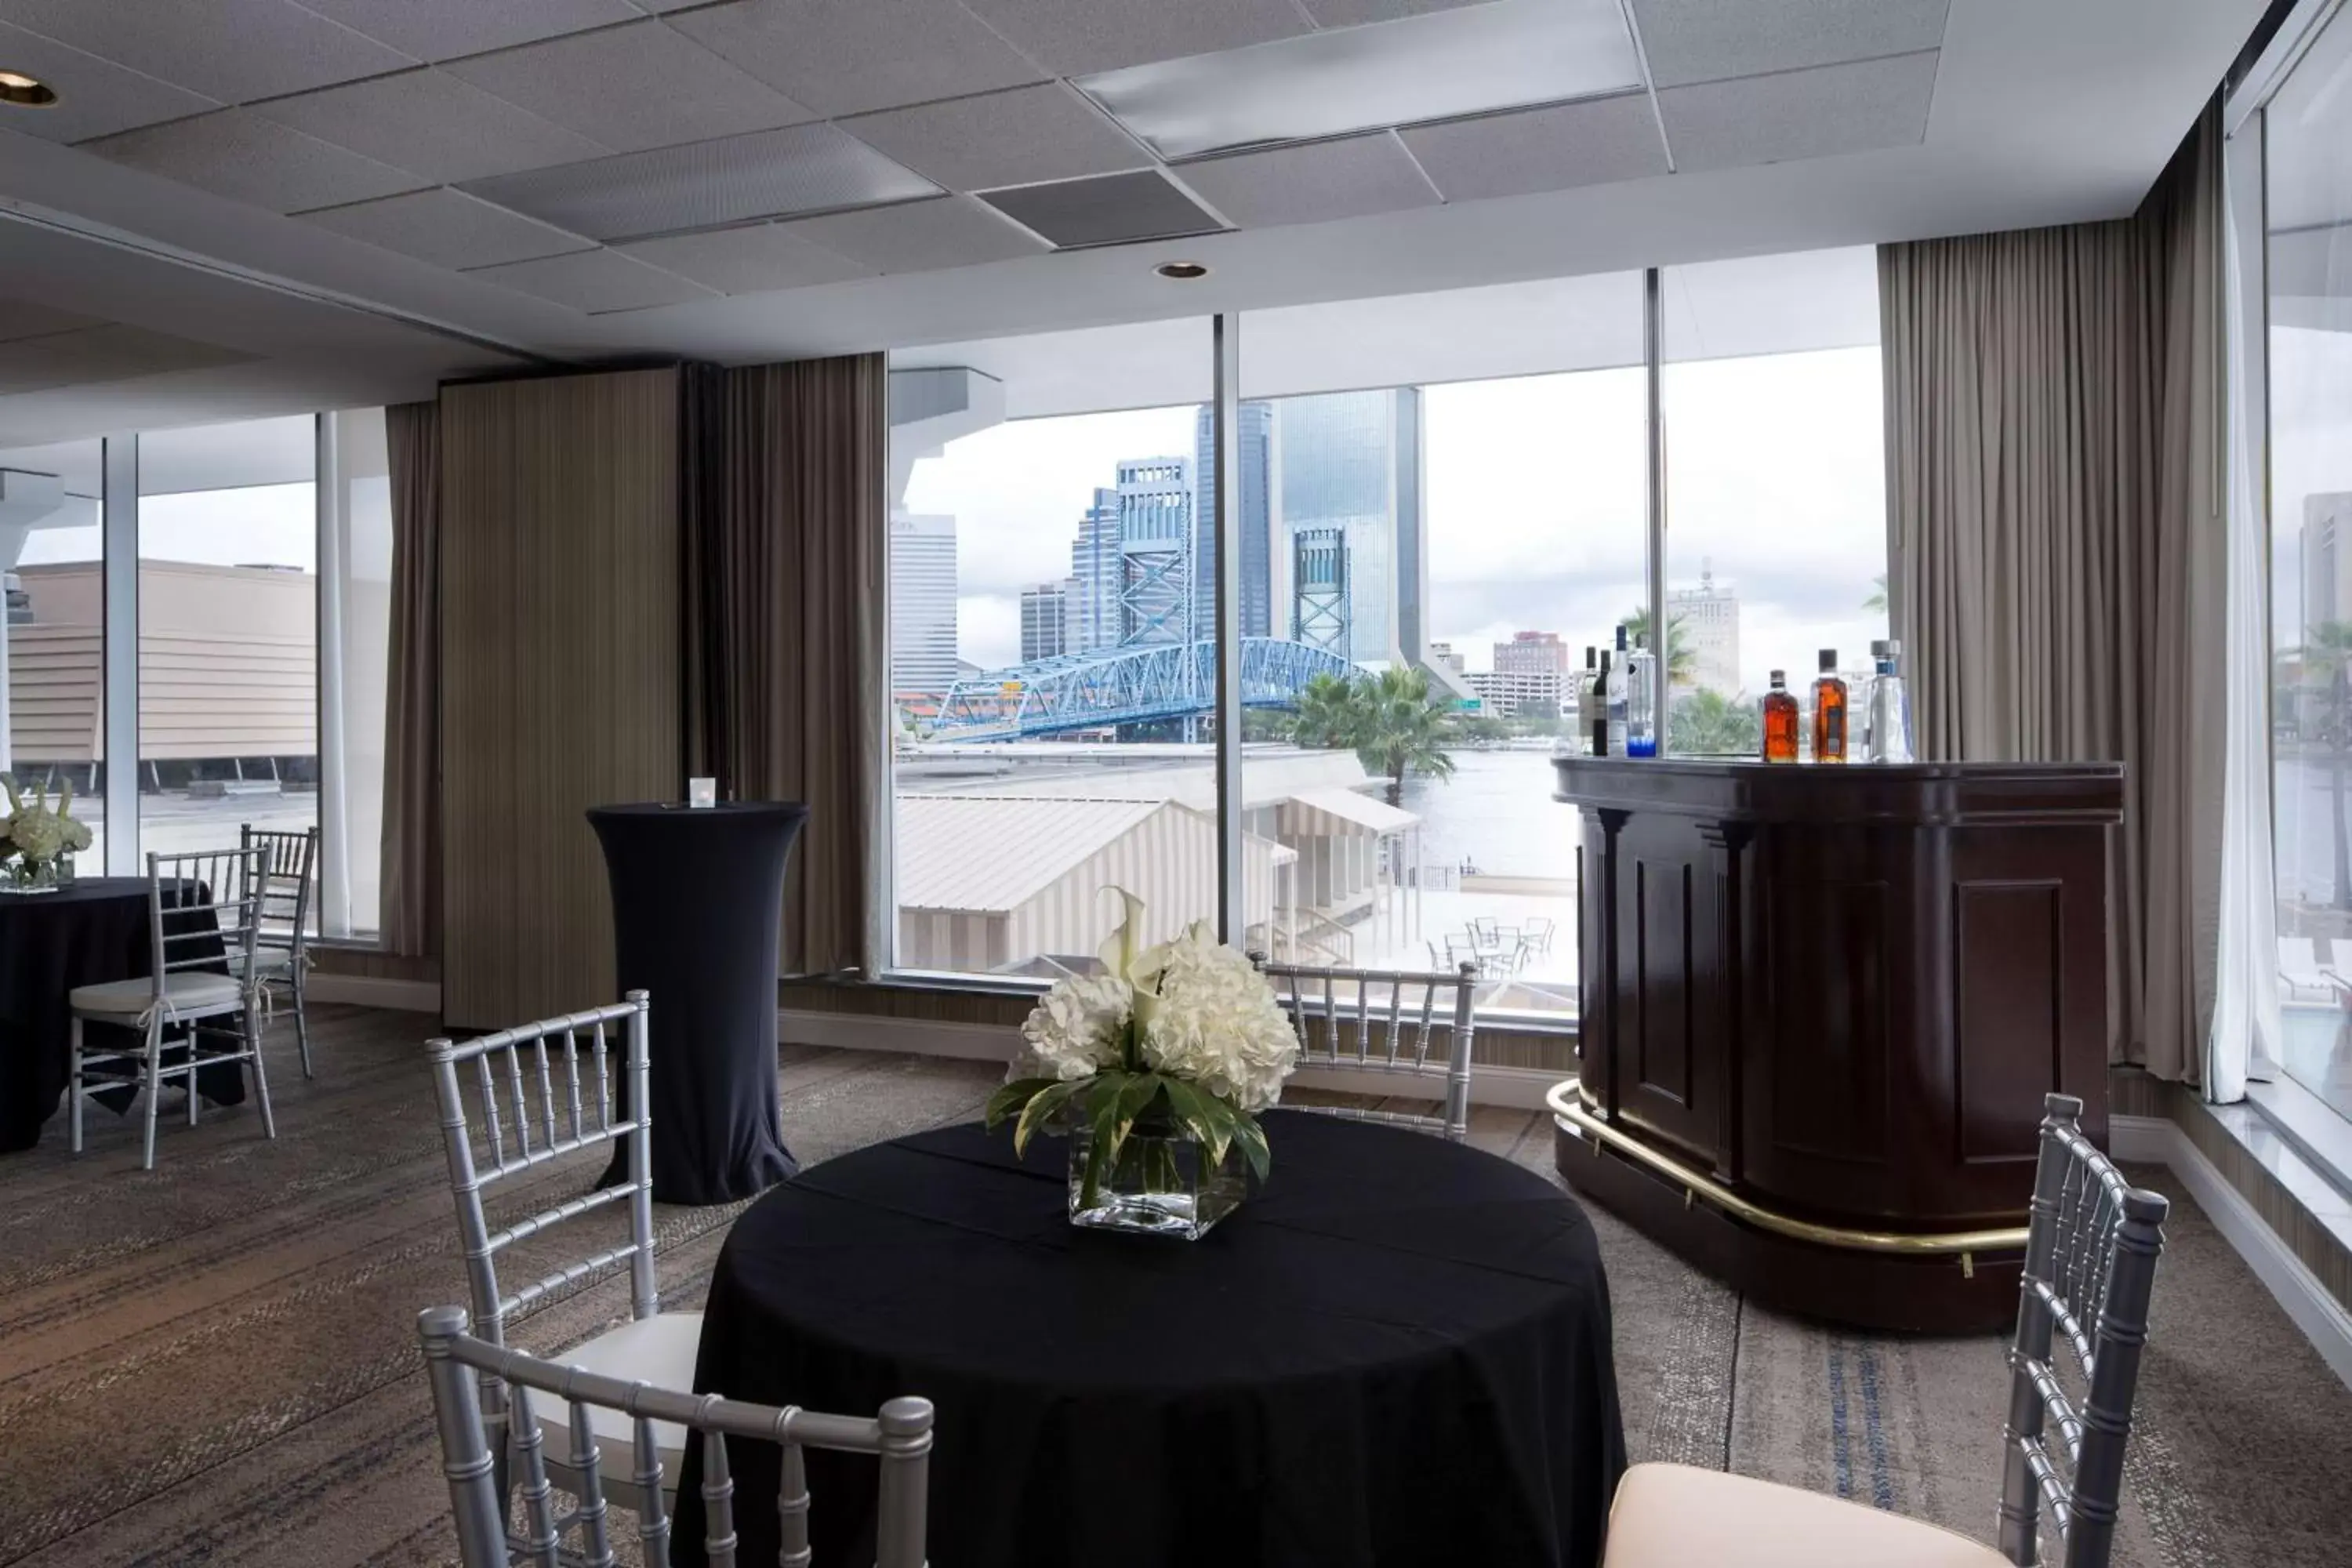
x: 215, y: 1362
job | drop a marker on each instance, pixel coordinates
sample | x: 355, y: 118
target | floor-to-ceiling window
x: 1776, y: 496
x: 354, y: 494
x: 52, y: 727
x: 2307, y: 263
x: 1050, y: 635
x: 228, y: 537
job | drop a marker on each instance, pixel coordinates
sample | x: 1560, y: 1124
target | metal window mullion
x: 1653, y: 347
x: 330, y: 495
x: 118, y: 650
x: 1232, y: 901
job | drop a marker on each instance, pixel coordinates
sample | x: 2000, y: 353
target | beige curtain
x: 2054, y: 406
x: 786, y: 644
x: 411, y: 864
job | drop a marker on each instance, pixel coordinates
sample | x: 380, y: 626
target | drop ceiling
x: 374, y: 193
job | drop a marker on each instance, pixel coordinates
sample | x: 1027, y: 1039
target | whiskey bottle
x: 1829, y: 711
x: 1780, y: 720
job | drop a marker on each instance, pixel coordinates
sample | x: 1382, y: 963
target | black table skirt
x: 698, y: 911
x: 84, y: 935
x: 1397, y: 1353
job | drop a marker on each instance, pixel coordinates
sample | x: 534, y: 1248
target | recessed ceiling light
x: 1182, y: 269
x: 25, y: 92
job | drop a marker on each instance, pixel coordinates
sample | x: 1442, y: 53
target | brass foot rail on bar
x: 1568, y: 1109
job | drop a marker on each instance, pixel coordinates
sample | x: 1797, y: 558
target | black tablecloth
x: 1397, y: 1353
x: 697, y: 911
x: 93, y: 931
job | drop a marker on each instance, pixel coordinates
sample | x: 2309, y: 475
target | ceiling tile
x: 1707, y: 40
x: 1798, y: 114
x: 596, y: 282
x: 631, y: 87
x: 1315, y: 182
x: 233, y: 50
x: 750, y: 260
x: 1106, y: 209
x: 1353, y: 13
x: 430, y: 124
x: 23, y: 319
x: 239, y: 154
x: 112, y: 351
x: 448, y: 228
x: 444, y: 29
x: 1594, y: 142
x: 1070, y: 37
x: 1016, y: 138
x: 95, y: 97
x: 706, y: 185
x: 844, y: 56
x: 919, y: 237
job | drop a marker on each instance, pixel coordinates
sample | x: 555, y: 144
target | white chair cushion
x: 1674, y: 1516
x: 659, y: 1350
x: 189, y: 992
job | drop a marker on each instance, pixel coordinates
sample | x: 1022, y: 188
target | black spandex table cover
x: 698, y: 913
x: 93, y: 931
x: 1397, y: 1353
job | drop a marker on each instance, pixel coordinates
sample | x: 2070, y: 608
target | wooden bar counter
x: 1821, y: 1008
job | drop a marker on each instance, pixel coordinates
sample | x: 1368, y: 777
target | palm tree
x: 1682, y: 659
x: 1403, y: 727
x: 1327, y: 713
x: 1709, y: 724
x: 1876, y: 603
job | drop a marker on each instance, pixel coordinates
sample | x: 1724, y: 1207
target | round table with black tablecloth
x: 1396, y: 1353
x: 87, y: 933
x: 697, y: 912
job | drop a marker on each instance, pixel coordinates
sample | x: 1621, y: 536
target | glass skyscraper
x: 1348, y: 468
x: 1256, y: 446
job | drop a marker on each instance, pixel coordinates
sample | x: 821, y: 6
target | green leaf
x: 1008, y: 1100
x: 1210, y: 1119
x: 1104, y: 1108
x: 1252, y: 1137
x: 1040, y: 1107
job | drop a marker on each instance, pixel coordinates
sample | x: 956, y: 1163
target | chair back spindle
x: 2090, y: 1271
x: 459, y: 1365
x: 1342, y: 1022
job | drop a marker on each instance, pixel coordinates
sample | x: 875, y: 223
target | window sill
x: 1557, y: 1026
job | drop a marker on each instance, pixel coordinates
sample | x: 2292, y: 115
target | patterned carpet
x: 213, y: 1363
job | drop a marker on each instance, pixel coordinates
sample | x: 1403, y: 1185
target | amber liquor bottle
x: 1829, y: 711
x: 1780, y: 720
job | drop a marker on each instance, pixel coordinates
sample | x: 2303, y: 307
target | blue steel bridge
x: 1132, y: 685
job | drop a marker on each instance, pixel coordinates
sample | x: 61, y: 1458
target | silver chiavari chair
x: 1340, y: 1024
x: 899, y: 1436
x: 2090, y: 1269
x: 289, y: 863
x: 204, y: 916
x: 566, y: 1065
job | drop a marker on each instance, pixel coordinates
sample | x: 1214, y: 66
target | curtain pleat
x: 2053, y: 416
x: 784, y: 625
x: 411, y: 848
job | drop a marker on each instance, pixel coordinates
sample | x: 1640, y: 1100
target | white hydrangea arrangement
x: 1185, y: 1033
x: 38, y: 832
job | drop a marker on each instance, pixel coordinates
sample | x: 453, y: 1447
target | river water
x: 1496, y: 812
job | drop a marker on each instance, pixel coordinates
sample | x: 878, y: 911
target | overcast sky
x: 1775, y: 473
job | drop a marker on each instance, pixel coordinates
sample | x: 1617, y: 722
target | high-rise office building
x: 1094, y: 571
x: 2326, y: 547
x: 1351, y: 558
x: 1045, y: 619
x: 1707, y: 618
x: 1530, y: 673
x: 1256, y: 420
x: 922, y: 603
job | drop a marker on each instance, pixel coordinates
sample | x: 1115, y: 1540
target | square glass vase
x: 1163, y: 1183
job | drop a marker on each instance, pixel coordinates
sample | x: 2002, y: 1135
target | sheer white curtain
x: 2246, y: 1002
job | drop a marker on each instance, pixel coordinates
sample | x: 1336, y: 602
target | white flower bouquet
x: 1182, y: 1037
x: 37, y: 834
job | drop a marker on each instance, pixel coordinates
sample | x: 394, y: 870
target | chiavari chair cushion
x: 658, y: 1350
x: 1675, y: 1516
x: 185, y: 991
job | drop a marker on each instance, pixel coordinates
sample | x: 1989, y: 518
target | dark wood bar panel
x: 1821, y: 1008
